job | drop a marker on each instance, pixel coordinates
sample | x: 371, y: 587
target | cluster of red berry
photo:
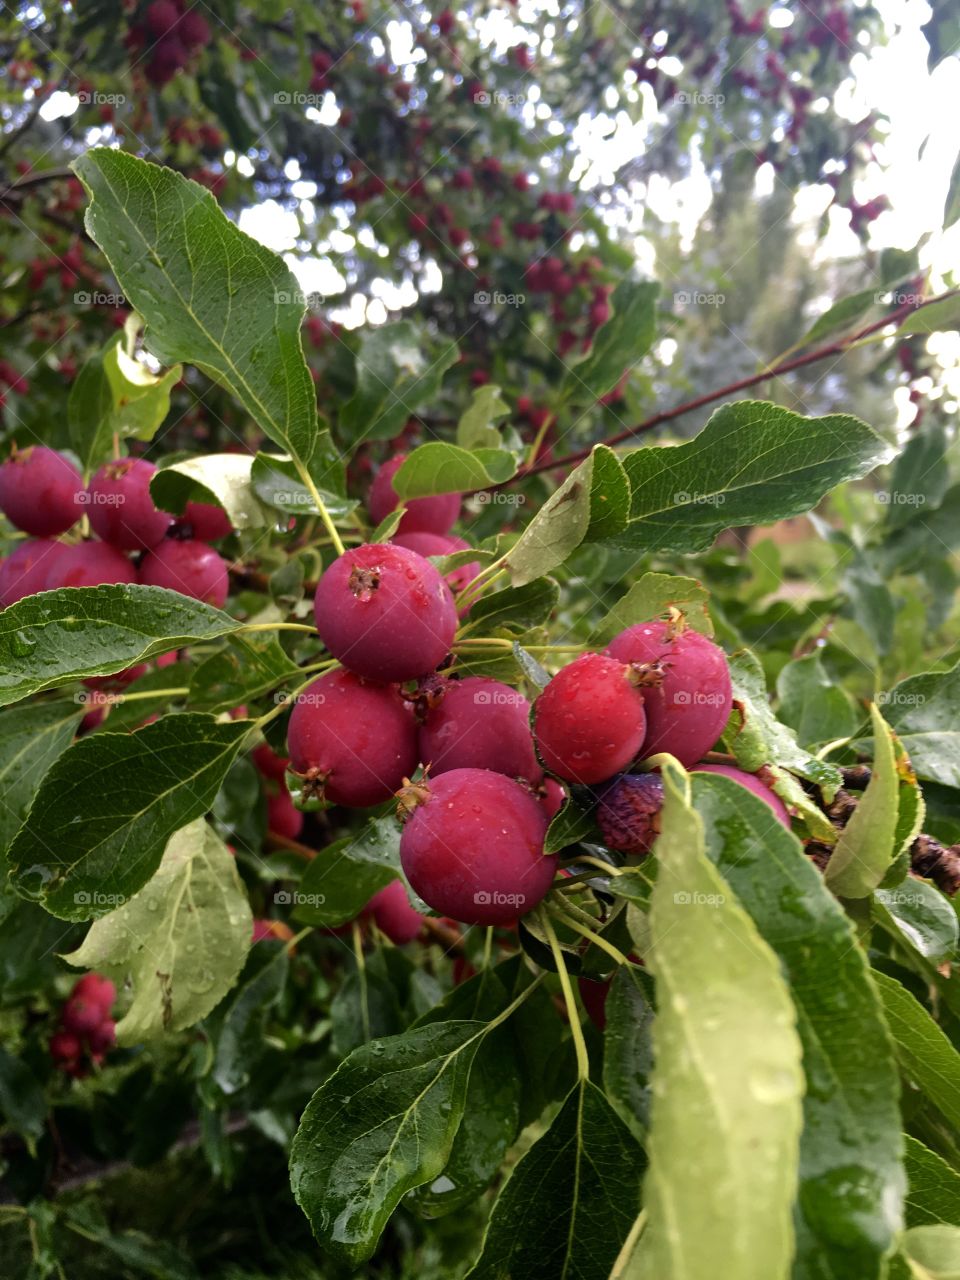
x: 170, y: 31
x: 42, y: 493
x: 86, y: 1028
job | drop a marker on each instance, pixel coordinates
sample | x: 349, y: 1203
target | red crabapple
x: 269, y: 763
x: 121, y: 509
x: 589, y: 721
x: 424, y: 515
x: 385, y: 612
x: 351, y: 741
x: 479, y: 723
x: 628, y: 812
x: 206, y: 521
x: 752, y: 783
x: 473, y: 846
x: 161, y: 16
x: 551, y: 797
x: 593, y: 993
x: 89, y: 564
x: 102, y: 1038
x: 686, y: 687
x: 442, y: 544
x: 393, y: 914
x: 283, y: 817
x: 27, y: 568
x: 187, y: 566
x: 96, y: 989
x: 65, y: 1046
x: 40, y: 491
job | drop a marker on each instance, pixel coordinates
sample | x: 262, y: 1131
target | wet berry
x: 121, y: 509
x: 424, y: 515
x: 40, y: 491
x: 479, y: 723
x: 589, y: 721
x: 190, y: 567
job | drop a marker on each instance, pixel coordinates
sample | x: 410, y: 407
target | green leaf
x: 847, y: 1211
x: 650, y: 597
x: 841, y: 316
x: 924, y: 712
x: 919, y: 478
x: 115, y: 395
x: 278, y: 484
x: 398, y: 370
x: 105, y: 811
x: 49, y: 639
x: 727, y: 1082
x: 925, y: 1054
x: 570, y: 1201
x: 492, y: 1107
x: 618, y: 345
x: 867, y: 845
x: 447, y: 468
x: 574, y: 822
x: 518, y: 608
x: 211, y: 295
x: 932, y: 318
x: 475, y: 430
x: 753, y: 463
x: 337, y: 884
x: 934, y: 1187
x: 817, y: 710
x: 23, y: 1101
x: 180, y: 942
x: 756, y: 737
x: 223, y: 479
x: 239, y: 1037
x: 922, y: 915
x: 933, y: 1252
x: 383, y: 1124
x: 31, y: 739
x: 628, y: 1047
x: 250, y: 666
x: 591, y: 503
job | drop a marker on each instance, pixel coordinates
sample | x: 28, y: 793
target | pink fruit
x: 102, y: 1038
x: 97, y: 990
x: 89, y: 564
x: 393, y: 914
x: 594, y: 996
x: 283, y: 817
x: 351, y: 741
x: 26, y: 569
x: 121, y: 509
x: 190, y: 567
x: 686, y: 687
x: 752, y: 783
x: 40, y: 491
x: 552, y: 796
x: 161, y: 15
x: 628, y: 812
x: 207, y: 521
x: 479, y: 723
x: 442, y: 544
x: 385, y: 612
x: 423, y: 515
x: 589, y: 721
x: 268, y: 762
x: 65, y: 1046
x: 473, y: 846
x: 81, y: 1015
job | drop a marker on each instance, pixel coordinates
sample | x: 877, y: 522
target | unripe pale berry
x: 686, y: 688
x: 424, y: 515
x: 385, y: 612
x: 40, y: 491
x: 350, y: 740
x: 393, y: 914
x: 628, y: 812
x: 89, y: 564
x: 27, y: 569
x: 121, y: 509
x: 589, y: 721
x: 473, y: 846
x: 479, y: 723
x: 752, y: 783
x: 187, y: 566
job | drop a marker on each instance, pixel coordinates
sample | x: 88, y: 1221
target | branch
x: 837, y: 348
